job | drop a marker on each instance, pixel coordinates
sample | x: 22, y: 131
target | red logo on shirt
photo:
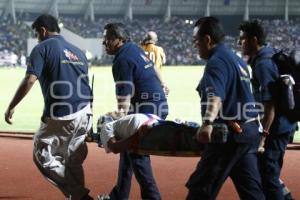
x: 71, y: 56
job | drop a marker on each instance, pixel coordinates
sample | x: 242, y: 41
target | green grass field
x: 183, y: 99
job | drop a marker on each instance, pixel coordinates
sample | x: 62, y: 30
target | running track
x: 20, y: 179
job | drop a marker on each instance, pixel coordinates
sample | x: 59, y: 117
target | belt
x: 250, y: 120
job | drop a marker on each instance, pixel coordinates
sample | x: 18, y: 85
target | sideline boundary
x: 20, y: 135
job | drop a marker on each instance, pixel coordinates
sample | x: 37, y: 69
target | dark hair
x: 212, y: 27
x: 118, y: 30
x: 47, y: 21
x: 254, y: 29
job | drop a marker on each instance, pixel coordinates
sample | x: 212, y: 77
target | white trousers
x: 59, y: 152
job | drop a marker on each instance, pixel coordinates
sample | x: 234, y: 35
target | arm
x: 214, y: 104
x: 124, y: 84
x: 159, y: 61
x: 115, y: 146
x: 163, y: 56
x: 212, y: 91
x: 269, y: 114
x: 266, y: 75
x: 159, y: 76
x: 157, y: 71
x: 21, y: 92
x: 118, y: 146
x: 121, y: 134
x: 267, y: 120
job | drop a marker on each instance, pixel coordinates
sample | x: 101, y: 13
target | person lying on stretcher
x: 119, y: 135
x: 147, y: 133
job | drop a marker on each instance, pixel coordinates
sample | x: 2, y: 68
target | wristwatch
x: 207, y: 122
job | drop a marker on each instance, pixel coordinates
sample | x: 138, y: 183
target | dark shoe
x: 87, y: 197
x: 288, y: 196
x: 286, y: 192
x: 103, y: 197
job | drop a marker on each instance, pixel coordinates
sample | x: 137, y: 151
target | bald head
x: 150, y: 37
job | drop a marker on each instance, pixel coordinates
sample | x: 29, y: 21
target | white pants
x: 59, y: 151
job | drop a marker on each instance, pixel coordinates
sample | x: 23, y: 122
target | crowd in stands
x: 13, y: 37
x: 174, y: 36
x: 283, y: 34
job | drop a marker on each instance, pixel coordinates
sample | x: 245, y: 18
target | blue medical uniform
x: 134, y: 75
x: 226, y: 76
x: 57, y: 65
x: 265, y: 74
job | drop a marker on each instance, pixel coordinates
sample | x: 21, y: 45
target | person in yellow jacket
x: 156, y: 54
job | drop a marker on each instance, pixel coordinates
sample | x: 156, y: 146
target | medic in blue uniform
x: 138, y: 90
x: 59, y: 144
x: 225, y: 98
x: 276, y: 128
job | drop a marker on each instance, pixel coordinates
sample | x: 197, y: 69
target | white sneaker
x: 103, y: 197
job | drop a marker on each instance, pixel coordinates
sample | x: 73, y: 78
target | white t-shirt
x: 124, y: 127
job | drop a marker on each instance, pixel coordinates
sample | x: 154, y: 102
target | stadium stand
x: 87, y: 18
x: 13, y: 40
x: 171, y: 35
x: 175, y: 35
x: 283, y: 34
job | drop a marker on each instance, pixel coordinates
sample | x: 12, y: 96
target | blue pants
x: 271, y: 163
x: 236, y: 160
x: 141, y: 166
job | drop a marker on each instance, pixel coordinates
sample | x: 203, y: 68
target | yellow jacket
x: 155, y: 53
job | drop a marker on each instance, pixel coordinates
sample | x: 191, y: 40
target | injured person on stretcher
x: 148, y: 134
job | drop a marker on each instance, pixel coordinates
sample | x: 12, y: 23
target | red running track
x: 20, y: 179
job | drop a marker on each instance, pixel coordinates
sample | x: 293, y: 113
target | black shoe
x: 87, y: 197
x: 288, y: 196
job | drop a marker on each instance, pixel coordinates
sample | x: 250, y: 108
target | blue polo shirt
x: 62, y: 70
x: 226, y: 76
x: 134, y: 75
x: 265, y: 73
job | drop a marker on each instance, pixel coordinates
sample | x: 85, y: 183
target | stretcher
x: 168, y: 138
